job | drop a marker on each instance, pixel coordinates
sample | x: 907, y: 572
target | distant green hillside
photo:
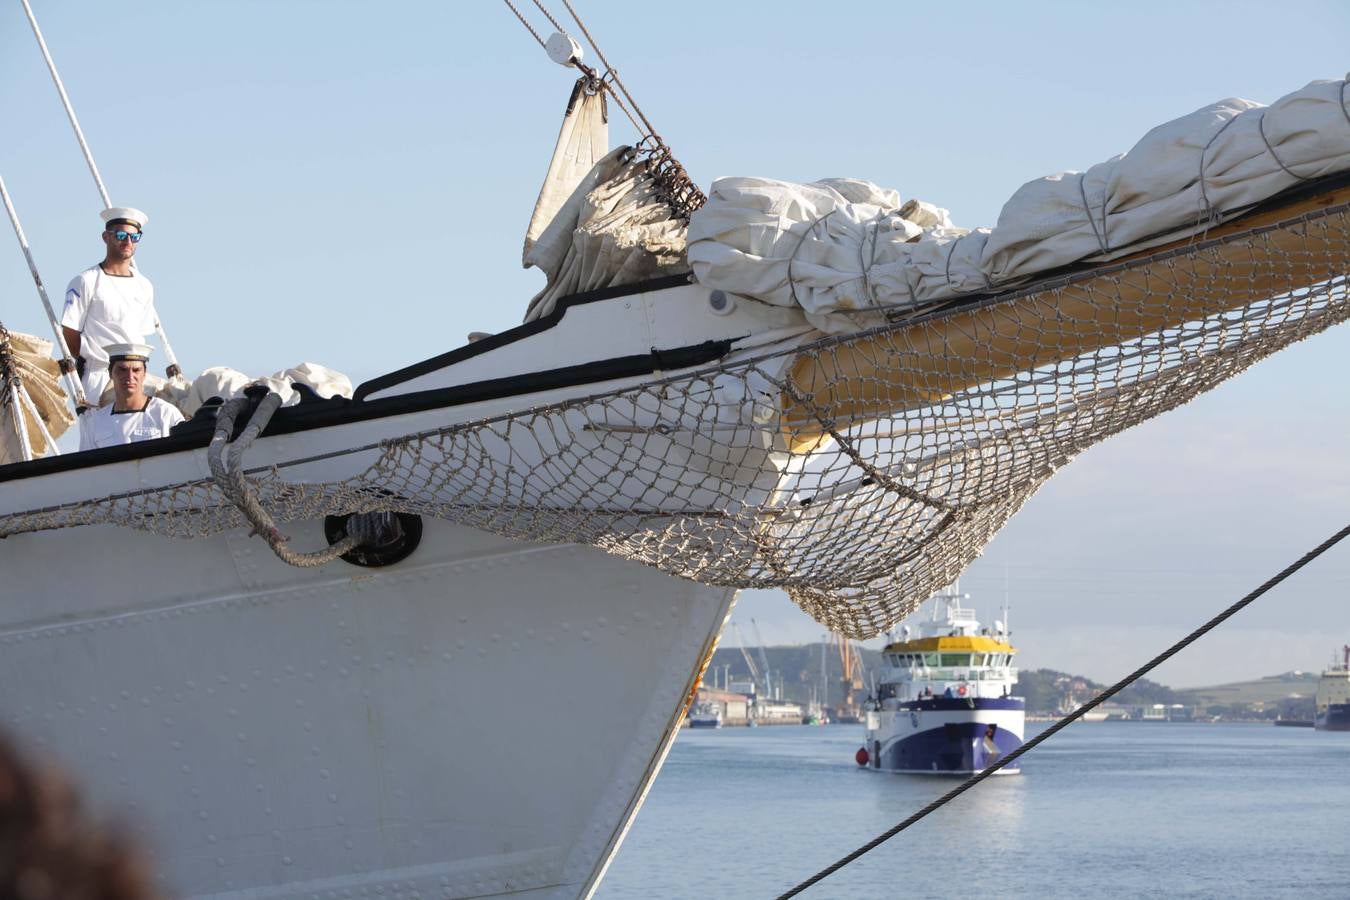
x: 798, y: 670
x: 1289, y: 695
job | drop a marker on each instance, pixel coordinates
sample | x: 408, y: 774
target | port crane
x: 850, y: 679
x: 763, y: 658
x: 755, y: 676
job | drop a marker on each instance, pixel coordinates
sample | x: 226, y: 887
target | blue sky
x: 349, y: 184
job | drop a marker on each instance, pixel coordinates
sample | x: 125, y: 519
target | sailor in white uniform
x: 131, y: 416
x: 110, y: 303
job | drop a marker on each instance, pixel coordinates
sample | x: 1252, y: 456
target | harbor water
x: 1111, y: 809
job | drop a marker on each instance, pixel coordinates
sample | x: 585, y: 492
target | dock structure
x: 745, y: 709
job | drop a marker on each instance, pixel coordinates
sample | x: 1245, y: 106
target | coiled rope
x: 1074, y: 716
x: 233, y: 483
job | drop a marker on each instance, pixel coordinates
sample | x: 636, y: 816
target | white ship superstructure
x: 945, y: 702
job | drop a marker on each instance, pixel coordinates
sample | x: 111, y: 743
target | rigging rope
x: 528, y: 26
x: 548, y: 15
x: 1075, y: 715
x: 672, y: 182
x: 595, y: 78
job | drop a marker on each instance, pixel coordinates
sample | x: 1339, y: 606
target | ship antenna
x: 1007, y: 628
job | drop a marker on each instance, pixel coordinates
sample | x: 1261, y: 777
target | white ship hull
x: 408, y: 730
x: 412, y: 730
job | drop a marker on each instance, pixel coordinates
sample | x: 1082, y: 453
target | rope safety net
x: 861, y: 473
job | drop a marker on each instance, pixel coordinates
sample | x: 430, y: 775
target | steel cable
x: 1074, y: 716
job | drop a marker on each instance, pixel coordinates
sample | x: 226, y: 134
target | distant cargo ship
x: 944, y: 701
x: 1333, y: 696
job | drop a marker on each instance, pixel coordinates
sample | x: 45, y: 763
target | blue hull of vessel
x: 1336, y: 717
x: 957, y: 748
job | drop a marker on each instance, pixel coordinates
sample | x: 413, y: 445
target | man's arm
x: 72, y: 339
x: 72, y: 316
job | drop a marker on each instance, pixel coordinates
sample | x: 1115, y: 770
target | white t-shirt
x: 109, y: 309
x: 106, y: 428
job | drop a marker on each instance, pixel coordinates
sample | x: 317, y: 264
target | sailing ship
x: 286, y: 707
x: 945, y: 703
x: 1332, y: 709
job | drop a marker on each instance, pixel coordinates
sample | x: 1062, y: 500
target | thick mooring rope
x: 226, y: 459
x: 1075, y: 715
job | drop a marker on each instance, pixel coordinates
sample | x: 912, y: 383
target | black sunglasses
x: 133, y: 236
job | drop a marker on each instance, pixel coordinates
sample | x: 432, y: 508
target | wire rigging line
x: 525, y: 22
x: 597, y: 81
x: 672, y: 183
x: 1075, y: 715
x: 610, y: 71
x: 548, y: 15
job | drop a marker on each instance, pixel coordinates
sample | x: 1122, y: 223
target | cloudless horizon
x: 350, y: 185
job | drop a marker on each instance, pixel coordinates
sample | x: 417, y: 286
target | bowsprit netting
x: 860, y: 473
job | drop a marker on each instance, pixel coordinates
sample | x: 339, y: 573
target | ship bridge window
x: 930, y: 659
x: 950, y: 660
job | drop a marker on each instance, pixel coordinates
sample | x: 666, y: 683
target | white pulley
x: 563, y: 50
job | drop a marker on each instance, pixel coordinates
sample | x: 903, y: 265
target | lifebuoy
x: 961, y: 691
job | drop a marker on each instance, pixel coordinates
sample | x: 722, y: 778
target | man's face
x: 123, y: 248
x: 128, y: 377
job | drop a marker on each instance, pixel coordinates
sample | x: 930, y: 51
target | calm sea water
x: 1101, y: 810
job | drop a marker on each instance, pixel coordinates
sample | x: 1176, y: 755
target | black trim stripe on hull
x: 327, y: 413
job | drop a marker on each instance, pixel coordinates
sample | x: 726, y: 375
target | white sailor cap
x: 128, y: 352
x: 117, y: 215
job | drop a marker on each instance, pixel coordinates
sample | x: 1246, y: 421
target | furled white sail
x: 615, y: 229
x: 583, y: 140
x: 835, y: 248
x: 226, y: 383
x: 32, y: 380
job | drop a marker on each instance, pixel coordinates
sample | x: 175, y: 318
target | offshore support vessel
x: 944, y: 703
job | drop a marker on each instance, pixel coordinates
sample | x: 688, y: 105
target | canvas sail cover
x: 223, y: 383
x: 583, y: 140
x: 31, y: 379
x: 847, y: 252
x: 601, y: 219
x: 615, y: 229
